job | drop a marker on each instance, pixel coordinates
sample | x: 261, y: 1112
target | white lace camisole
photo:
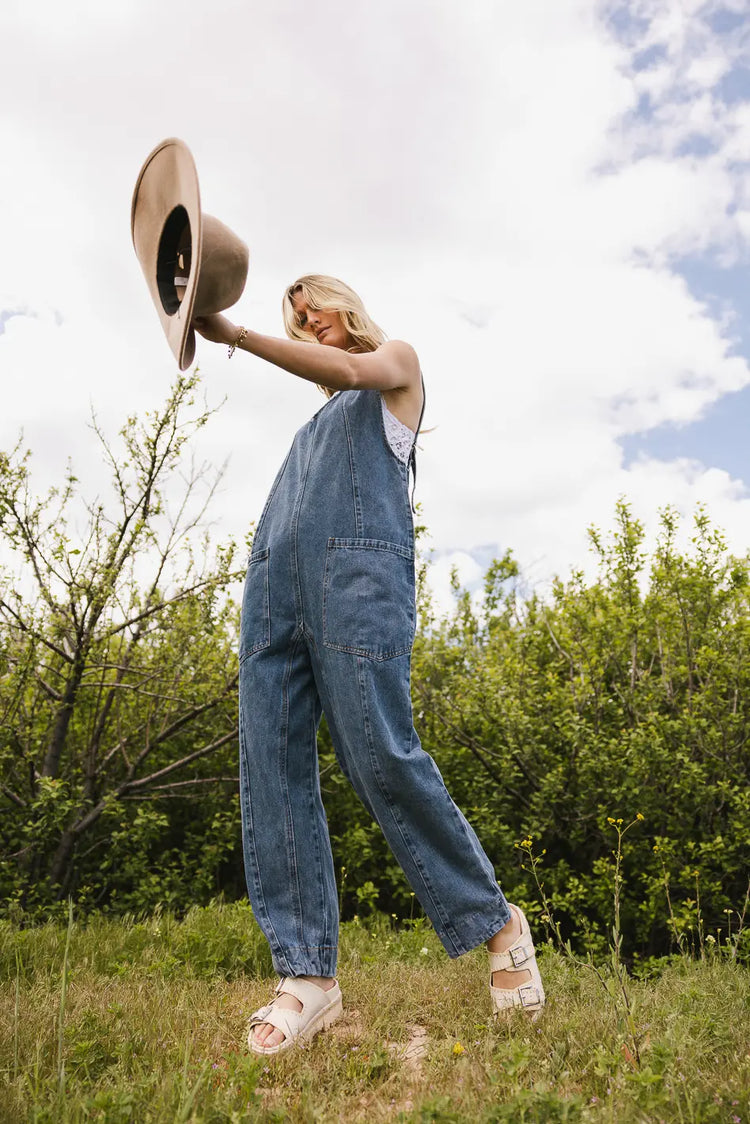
x: 400, y: 437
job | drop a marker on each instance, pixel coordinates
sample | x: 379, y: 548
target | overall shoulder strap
x: 413, y: 453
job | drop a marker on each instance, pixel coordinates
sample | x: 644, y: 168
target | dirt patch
x: 415, y: 1049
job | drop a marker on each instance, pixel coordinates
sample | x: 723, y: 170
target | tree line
x: 607, y: 698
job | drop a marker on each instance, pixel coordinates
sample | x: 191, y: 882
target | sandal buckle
x: 533, y: 996
x: 519, y: 955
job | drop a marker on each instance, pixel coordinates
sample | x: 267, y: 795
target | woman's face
x: 325, y: 324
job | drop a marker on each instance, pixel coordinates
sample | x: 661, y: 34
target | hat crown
x: 224, y: 259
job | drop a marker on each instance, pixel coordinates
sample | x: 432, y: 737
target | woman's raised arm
x: 394, y: 366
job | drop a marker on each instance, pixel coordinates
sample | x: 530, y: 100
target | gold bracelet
x: 237, y: 342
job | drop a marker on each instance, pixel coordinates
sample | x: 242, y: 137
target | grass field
x: 146, y: 1023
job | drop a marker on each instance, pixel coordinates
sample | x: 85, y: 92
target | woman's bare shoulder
x: 403, y: 353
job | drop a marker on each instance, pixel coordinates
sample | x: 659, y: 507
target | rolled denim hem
x: 478, y: 936
x: 306, y: 960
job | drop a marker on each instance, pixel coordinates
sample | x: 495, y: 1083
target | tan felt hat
x: 193, y: 264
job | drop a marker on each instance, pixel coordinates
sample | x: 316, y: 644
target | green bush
x: 618, y: 695
x: 624, y: 696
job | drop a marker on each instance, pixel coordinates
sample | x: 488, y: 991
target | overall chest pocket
x: 368, y: 598
x: 255, y: 619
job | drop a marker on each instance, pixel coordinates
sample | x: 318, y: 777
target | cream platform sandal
x: 320, y: 1009
x: 520, y: 955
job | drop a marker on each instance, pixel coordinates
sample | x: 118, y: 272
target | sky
x: 550, y: 201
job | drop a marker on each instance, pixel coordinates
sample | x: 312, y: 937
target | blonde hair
x: 322, y: 292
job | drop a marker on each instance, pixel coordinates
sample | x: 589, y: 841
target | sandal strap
x: 514, y: 957
x: 259, y: 1016
x: 312, y: 997
x: 288, y: 1022
x: 308, y: 994
x: 525, y: 996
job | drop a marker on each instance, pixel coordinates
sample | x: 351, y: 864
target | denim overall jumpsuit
x: 328, y: 620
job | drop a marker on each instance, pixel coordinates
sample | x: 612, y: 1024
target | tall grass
x: 63, y: 999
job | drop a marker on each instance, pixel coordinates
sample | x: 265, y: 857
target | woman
x: 328, y: 618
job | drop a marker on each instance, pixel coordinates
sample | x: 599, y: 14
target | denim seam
x: 445, y: 924
x: 271, y: 494
x: 365, y: 654
x: 406, y: 552
x: 352, y: 471
x: 294, y: 559
x: 261, y: 559
x: 310, y: 947
x: 348, y: 767
x: 250, y: 839
x: 283, y: 780
x: 315, y: 819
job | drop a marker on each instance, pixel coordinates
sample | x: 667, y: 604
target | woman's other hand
x: 216, y: 328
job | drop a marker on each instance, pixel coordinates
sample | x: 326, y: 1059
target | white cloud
x: 477, y: 170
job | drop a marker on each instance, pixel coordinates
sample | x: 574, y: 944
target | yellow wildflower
x: 458, y: 1050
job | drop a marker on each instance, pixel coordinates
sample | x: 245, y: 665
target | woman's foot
x: 266, y: 1036
x: 501, y: 942
x: 515, y: 979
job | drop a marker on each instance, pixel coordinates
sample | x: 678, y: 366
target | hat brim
x: 165, y: 199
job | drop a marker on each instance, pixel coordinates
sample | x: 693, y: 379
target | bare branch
x: 130, y: 786
x: 13, y: 796
x: 143, y: 781
x: 33, y: 633
x: 48, y: 689
x: 186, y: 718
x: 195, y: 781
x: 149, y: 612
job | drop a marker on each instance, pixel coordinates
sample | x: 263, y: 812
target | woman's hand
x: 216, y: 328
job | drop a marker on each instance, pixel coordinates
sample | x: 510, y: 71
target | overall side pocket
x: 255, y: 619
x: 368, y: 598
